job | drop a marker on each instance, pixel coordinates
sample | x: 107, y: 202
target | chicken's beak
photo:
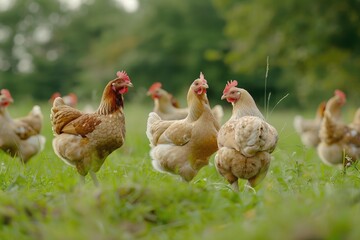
x: 223, y: 97
x: 129, y: 84
x: 205, y: 85
x: 10, y: 100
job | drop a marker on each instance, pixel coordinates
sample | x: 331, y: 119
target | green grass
x: 300, y: 198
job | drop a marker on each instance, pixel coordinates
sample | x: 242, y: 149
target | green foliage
x: 167, y: 41
x: 164, y: 41
x: 312, y: 45
x: 300, y: 198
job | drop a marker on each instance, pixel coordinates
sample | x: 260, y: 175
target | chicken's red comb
x: 232, y: 83
x: 6, y: 93
x: 340, y: 94
x: 202, y: 77
x: 155, y: 86
x: 123, y: 75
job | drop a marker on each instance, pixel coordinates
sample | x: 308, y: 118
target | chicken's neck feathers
x: 197, y: 105
x: 333, y: 108
x: 4, y: 112
x: 163, y: 104
x: 110, y: 101
x: 246, y: 106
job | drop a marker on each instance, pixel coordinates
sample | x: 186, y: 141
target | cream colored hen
x: 165, y: 104
x: 308, y: 129
x: 167, y: 107
x: 245, y: 141
x: 20, y: 137
x: 184, y: 146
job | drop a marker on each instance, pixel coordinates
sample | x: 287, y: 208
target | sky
x: 128, y: 5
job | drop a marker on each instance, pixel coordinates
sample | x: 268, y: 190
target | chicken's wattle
x: 201, y: 91
x: 123, y: 90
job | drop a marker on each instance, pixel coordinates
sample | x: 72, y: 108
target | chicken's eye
x: 196, y: 83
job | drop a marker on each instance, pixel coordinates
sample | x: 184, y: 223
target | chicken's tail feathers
x: 36, y: 142
x: 58, y: 102
x: 152, y: 119
x: 42, y: 141
x: 36, y: 110
x: 298, y: 124
x: 218, y: 112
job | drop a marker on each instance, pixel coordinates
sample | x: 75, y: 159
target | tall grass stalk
x: 267, y: 98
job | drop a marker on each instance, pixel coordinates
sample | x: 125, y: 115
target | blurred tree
x: 25, y: 29
x: 313, y: 45
x: 165, y: 40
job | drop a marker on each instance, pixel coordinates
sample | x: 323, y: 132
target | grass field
x: 300, y: 198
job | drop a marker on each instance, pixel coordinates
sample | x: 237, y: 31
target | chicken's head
x: 53, y: 96
x: 73, y: 98
x: 121, y: 84
x: 341, y: 96
x: 231, y: 93
x: 200, y: 85
x: 155, y: 90
x: 5, y: 98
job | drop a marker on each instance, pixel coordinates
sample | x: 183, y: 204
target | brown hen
x: 84, y: 140
x: 339, y: 143
x: 20, y: 137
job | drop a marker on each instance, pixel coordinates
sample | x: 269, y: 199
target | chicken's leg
x: 235, y: 186
x: 82, y: 180
x: 94, y: 178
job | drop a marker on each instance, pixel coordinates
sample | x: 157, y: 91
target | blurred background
x: 78, y: 45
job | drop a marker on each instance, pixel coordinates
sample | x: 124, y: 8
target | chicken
x: 184, y: 146
x: 166, y: 106
x: 356, y: 120
x: 308, y: 129
x: 339, y: 143
x: 160, y: 95
x: 20, y: 137
x: 84, y: 140
x: 70, y: 99
x: 245, y: 141
x: 163, y: 104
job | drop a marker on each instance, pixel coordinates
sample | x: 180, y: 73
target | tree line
x: 312, y: 47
